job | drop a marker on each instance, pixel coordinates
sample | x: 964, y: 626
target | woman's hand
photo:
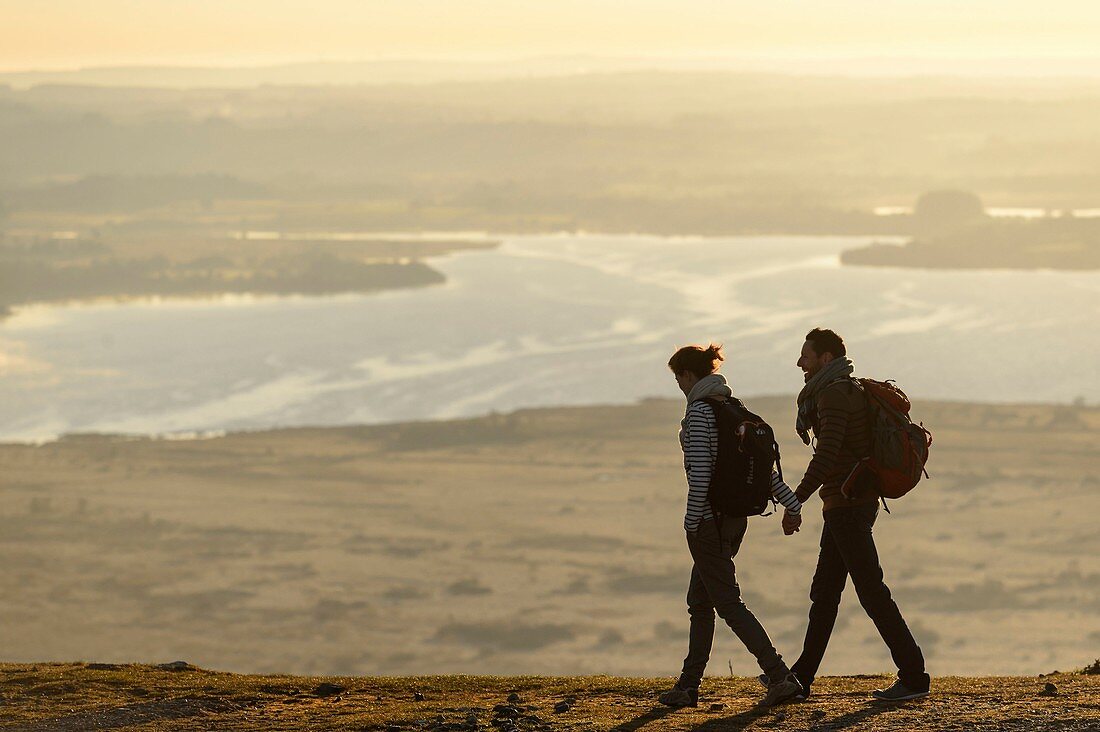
x: 791, y: 522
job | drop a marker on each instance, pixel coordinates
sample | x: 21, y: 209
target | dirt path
x: 66, y: 697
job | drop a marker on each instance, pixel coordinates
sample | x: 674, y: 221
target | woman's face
x: 685, y: 380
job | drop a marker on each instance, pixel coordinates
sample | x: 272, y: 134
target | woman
x: 713, y: 540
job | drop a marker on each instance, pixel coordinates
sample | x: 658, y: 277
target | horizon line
x: 974, y: 66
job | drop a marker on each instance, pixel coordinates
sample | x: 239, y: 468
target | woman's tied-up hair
x: 696, y: 359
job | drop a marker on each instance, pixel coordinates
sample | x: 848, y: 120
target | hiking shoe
x: 898, y: 692
x: 800, y: 696
x: 680, y: 696
x: 781, y: 691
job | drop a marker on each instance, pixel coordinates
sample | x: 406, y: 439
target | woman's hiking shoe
x: 680, y: 696
x: 800, y: 696
x: 898, y: 692
x: 781, y: 691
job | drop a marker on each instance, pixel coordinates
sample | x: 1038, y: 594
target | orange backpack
x: 899, y: 448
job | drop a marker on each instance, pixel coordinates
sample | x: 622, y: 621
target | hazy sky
x: 68, y: 33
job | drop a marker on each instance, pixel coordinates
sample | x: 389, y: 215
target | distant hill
x: 323, y: 73
x: 1056, y: 243
x: 115, y: 193
x: 409, y: 70
x: 670, y: 152
x: 62, y: 270
x: 954, y: 232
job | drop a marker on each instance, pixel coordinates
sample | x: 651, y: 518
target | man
x: 713, y: 540
x: 834, y: 407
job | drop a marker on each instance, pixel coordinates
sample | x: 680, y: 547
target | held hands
x: 791, y: 522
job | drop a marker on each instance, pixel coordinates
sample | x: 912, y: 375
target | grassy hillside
x: 545, y: 541
x: 99, y: 696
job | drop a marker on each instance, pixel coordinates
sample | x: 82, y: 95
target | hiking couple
x: 835, y: 408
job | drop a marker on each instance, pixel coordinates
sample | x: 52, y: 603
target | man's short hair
x: 825, y: 341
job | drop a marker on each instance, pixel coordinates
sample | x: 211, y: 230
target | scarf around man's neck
x: 713, y: 385
x: 838, y: 368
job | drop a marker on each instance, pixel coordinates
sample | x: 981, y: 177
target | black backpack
x: 741, y: 482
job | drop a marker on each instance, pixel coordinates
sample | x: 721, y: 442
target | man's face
x: 810, y: 362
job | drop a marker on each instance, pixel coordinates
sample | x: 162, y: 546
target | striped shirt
x: 700, y: 445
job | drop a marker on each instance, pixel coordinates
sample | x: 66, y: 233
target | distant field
x: 661, y: 152
x: 541, y: 542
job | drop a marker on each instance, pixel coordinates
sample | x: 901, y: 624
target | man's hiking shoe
x: 781, y: 691
x: 679, y: 696
x: 800, y: 696
x: 898, y: 692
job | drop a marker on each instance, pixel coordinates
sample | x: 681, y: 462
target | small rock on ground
x: 327, y: 689
x: 506, y: 710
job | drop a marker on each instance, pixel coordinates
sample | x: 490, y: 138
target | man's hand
x: 791, y: 522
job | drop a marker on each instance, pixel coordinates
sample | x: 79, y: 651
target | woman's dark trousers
x: 847, y: 548
x: 713, y: 589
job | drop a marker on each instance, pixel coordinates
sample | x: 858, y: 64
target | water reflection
x: 544, y: 320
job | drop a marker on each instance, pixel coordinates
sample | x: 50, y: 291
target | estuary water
x: 542, y: 321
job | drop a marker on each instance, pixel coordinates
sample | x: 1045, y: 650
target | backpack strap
x: 712, y: 402
x: 778, y: 463
x: 715, y: 405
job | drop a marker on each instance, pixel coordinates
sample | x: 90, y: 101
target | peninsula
x: 45, y: 269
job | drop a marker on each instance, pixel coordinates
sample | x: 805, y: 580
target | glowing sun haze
x: 47, y: 34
